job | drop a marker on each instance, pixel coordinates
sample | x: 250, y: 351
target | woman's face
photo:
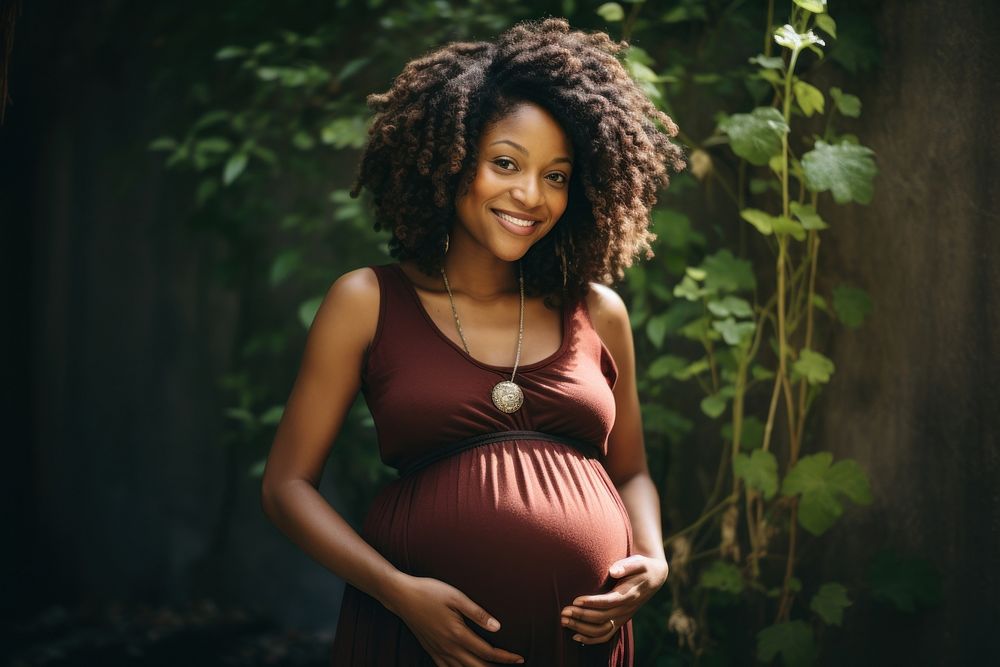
x: 521, y: 186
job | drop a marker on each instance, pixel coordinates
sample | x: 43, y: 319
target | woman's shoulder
x: 610, y: 319
x: 351, y: 306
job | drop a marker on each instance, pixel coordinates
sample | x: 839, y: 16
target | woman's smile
x: 516, y: 224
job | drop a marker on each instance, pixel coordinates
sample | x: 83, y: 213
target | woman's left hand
x: 591, y: 615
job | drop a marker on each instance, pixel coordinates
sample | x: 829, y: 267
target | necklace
x: 507, y: 396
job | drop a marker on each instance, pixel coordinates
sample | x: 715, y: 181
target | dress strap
x: 421, y: 462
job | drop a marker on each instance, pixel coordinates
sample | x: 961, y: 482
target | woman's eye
x: 503, y: 163
x: 557, y: 177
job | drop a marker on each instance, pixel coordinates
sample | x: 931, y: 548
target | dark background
x: 115, y: 332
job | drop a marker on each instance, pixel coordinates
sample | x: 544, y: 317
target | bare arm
x: 597, y: 618
x: 328, y: 382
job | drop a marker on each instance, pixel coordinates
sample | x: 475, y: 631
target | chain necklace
x: 507, y: 396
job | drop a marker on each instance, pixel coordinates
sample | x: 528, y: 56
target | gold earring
x: 446, y: 242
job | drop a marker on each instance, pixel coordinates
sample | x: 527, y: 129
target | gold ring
x: 612, y: 623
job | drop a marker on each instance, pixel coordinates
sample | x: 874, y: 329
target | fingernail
x: 577, y: 638
x: 493, y: 624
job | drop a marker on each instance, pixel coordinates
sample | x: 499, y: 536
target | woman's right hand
x: 434, y: 611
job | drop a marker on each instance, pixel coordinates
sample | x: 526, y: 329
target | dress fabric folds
x: 521, y: 524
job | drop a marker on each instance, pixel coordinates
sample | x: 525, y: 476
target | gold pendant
x: 507, y: 396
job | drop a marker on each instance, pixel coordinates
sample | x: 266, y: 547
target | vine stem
x: 725, y: 502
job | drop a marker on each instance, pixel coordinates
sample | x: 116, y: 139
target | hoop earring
x: 446, y: 242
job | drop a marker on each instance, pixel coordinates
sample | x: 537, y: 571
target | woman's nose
x: 527, y: 193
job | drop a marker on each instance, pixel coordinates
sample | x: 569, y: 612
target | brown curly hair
x: 423, y: 144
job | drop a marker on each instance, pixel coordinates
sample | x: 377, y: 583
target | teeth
x: 515, y: 221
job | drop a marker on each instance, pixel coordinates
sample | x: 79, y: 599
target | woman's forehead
x: 530, y: 129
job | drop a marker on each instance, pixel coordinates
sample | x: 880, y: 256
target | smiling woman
x: 516, y: 177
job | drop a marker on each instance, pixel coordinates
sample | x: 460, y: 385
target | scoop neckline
x: 522, y: 368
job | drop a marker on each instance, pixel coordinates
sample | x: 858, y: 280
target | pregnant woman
x: 516, y: 179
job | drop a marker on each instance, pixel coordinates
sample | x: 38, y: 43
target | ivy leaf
x: 722, y: 576
x: 688, y: 289
x: 733, y: 332
x: 846, y: 169
x: 692, y: 369
x: 813, y: 366
x: 793, y: 640
x: 809, y: 97
x: 848, y: 105
x: 821, y: 484
x: 611, y: 12
x: 755, y: 136
x: 829, y: 603
x: 235, y: 165
x: 713, y: 405
x: 725, y: 272
x: 905, y: 583
x: 759, y: 470
x: 807, y: 215
x: 851, y: 304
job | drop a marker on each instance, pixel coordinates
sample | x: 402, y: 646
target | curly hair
x: 423, y: 145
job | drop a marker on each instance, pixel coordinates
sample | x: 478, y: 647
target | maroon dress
x: 522, y: 518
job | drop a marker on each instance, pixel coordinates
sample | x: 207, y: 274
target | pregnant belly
x: 521, y: 527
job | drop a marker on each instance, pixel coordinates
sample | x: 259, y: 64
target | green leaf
x: 905, y: 583
x: 764, y: 222
x: 725, y: 272
x: 308, y: 309
x: 656, y: 329
x: 733, y: 332
x: 845, y: 169
x: 814, y: 6
x: 788, y: 37
x: 851, y: 304
x: 257, y: 469
x: 847, y: 105
x: 713, y: 405
x: 242, y: 415
x: 163, y: 144
x: 807, y: 215
x: 809, y: 97
x: 751, y: 432
x: 672, y: 424
x: 820, y: 486
x: 229, y: 52
x: 722, y: 576
x: 730, y: 305
x: 768, y: 62
x: 348, y: 132
x: 826, y: 23
x: 692, y: 370
x: 813, y: 366
x: 272, y: 415
x: 283, y: 266
x: 793, y: 640
x: 759, y: 470
x: 666, y: 365
x: 235, y: 165
x: 755, y: 136
x: 611, y: 12
x: 829, y: 603
x: 782, y: 224
x: 688, y: 289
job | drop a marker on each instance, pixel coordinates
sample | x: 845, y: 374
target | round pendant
x: 507, y: 396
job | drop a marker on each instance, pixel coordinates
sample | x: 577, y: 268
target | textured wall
x: 916, y: 394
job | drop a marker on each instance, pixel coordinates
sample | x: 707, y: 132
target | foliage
x: 729, y: 318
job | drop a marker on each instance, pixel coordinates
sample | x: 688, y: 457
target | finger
x: 482, y: 649
x: 586, y: 628
x: 595, y: 616
x: 608, y: 600
x: 479, y: 616
x: 625, y: 566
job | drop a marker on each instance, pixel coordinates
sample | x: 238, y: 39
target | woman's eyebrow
x: 525, y: 150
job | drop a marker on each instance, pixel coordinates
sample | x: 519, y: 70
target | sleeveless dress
x: 515, y: 510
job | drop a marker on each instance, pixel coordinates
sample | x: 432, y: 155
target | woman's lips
x: 515, y: 225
